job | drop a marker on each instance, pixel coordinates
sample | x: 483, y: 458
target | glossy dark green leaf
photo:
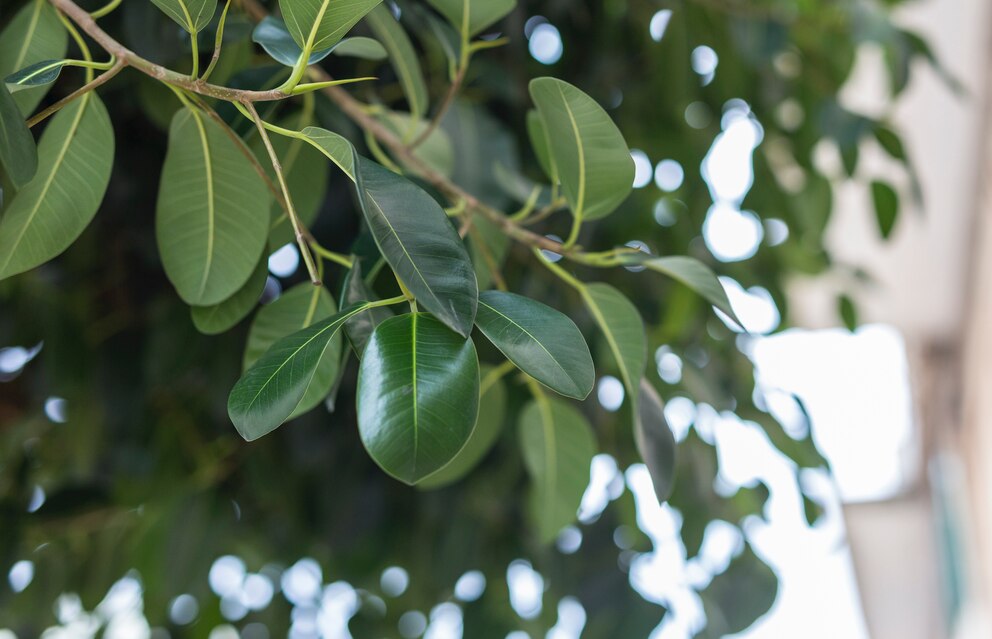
x: 623, y: 328
x: 655, y: 441
x: 417, y: 239
x: 418, y: 395
x: 542, y: 342
x: 359, y: 328
x: 38, y: 74
x: 75, y: 157
x: 492, y: 410
x: 274, y: 388
x: 271, y: 33
x: 403, y: 58
x: 18, y: 153
x: 558, y: 446
x: 886, y: 202
x: 212, y: 217
x: 488, y: 247
x: 191, y: 15
x: 472, y: 16
x: 211, y: 320
x: 320, y: 24
x: 590, y: 155
x: 296, y: 309
x: 360, y: 47
x: 33, y: 35
x: 693, y: 274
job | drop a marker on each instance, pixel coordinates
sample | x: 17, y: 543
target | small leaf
x: 655, y: 441
x: 418, y: 395
x: 417, y: 239
x: 693, y: 274
x: 589, y: 153
x: 75, y: 157
x: 271, y: 33
x: 403, y: 58
x: 212, y: 218
x: 320, y: 24
x: 38, y: 74
x: 436, y: 151
x: 620, y: 322
x: 472, y: 16
x: 359, y: 47
x: 542, y: 342
x: 35, y: 34
x: 337, y: 148
x: 272, y: 390
x: 886, y: 202
x: 211, y: 320
x: 492, y: 409
x: 191, y: 15
x: 738, y: 597
x: 359, y: 328
x: 558, y: 447
x: 18, y: 153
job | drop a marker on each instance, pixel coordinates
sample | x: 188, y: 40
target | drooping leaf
x: 621, y: 324
x: 848, y: 312
x: 402, y: 57
x: 418, y: 395
x: 359, y: 328
x: 211, y: 320
x: 191, y: 15
x: 33, y: 35
x: 296, y: 309
x: 693, y: 274
x: 337, y: 148
x: 542, y: 342
x: 274, y: 388
x: 886, y: 202
x: 360, y: 47
x: 655, y: 441
x: 541, y: 145
x: 323, y: 23
x: 589, y: 153
x: 472, y: 16
x: 34, y: 75
x: 18, y: 153
x: 74, y: 162
x: 414, y: 235
x: 558, y: 446
x: 212, y: 217
x: 492, y: 409
x: 271, y: 33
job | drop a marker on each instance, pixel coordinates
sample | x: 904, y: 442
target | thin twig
x: 446, y: 103
x: 42, y: 115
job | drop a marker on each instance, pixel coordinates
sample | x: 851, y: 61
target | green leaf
x: 694, y: 274
x: 403, y: 58
x: 736, y: 598
x: 271, y: 33
x: 591, y: 156
x: 191, y: 15
x: 488, y: 247
x: 558, y: 446
x: 492, y: 410
x: 35, y: 34
x: 886, y: 202
x: 38, y: 74
x: 337, y: 148
x: 18, y: 153
x: 542, y: 146
x: 273, y: 390
x: 211, y: 320
x: 848, y: 312
x: 624, y: 331
x: 417, y: 239
x: 359, y: 328
x: 472, y: 16
x: 436, y: 151
x: 212, y: 218
x: 542, y: 342
x: 655, y: 441
x: 359, y: 47
x: 418, y: 395
x: 320, y: 24
x: 74, y: 162
x: 296, y: 309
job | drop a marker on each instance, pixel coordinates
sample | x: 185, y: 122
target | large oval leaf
x: 74, y: 162
x: 558, y: 447
x: 322, y: 23
x: 35, y: 34
x: 191, y: 15
x: 472, y: 16
x: 218, y: 318
x: 624, y: 331
x: 414, y: 235
x: 212, y: 218
x: 655, y: 441
x: 542, y: 342
x: 418, y: 395
x: 18, y: 153
x: 403, y: 58
x: 590, y: 155
x: 492, y: 410
x: 272, y: 390
x: 275, y: 38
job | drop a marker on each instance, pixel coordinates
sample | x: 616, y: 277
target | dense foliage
x: 473, y: 259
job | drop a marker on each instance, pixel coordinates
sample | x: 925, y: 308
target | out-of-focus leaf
x: 738, y: 597
x: 218, y: 318
x: 403, y: 57
x: 271, y: 33
x: 621, y: 324
x: 886, y: 202
x: 360, y: 47
x: 359, y: 328
x: 18, y: 153
x: 655, y: 441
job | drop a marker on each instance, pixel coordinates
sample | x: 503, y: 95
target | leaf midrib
x: 211, y: 205
x: 580, y: 202
x: 530, y: 335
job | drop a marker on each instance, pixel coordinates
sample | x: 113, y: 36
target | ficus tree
x: 457, y: 302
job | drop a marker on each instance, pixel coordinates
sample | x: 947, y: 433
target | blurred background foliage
x: 147, y: 477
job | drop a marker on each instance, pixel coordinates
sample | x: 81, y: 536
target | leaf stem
x: 567, y: 277
x: 218, y: 42
x: 105, y: 9
x: 337, y: 258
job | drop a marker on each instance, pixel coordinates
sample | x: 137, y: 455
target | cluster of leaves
x: 445, y: 211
